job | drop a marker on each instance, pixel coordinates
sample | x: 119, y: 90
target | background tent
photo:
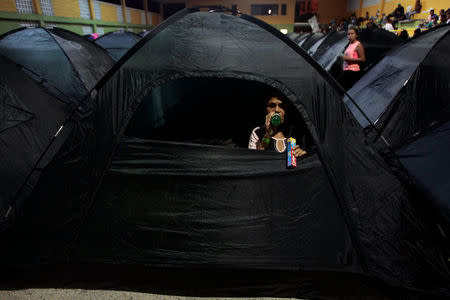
x: 330, y: 40
x: 143, y: 33
x: 300, y: 36
x: 29, y: 119
x: 376, y: 43
x: 293, y: 35
x: 64, y: 63
x: 406, y: 96
x: 117, y: 43
x: 308, y: 43
x: 177, y: 205
x: 317, y: 44
x: 303, y: 38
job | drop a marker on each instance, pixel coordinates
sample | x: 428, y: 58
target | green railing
x: 10, y: 21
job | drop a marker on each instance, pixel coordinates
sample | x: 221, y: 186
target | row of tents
x: 93, y: 169
x: 325, y: 49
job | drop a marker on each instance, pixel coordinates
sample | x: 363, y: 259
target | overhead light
x: 284, y: 31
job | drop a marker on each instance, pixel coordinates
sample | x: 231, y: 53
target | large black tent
x: 65, y: 66
x: 117, y: 43
x: 63, y: 62
x: 406, y: 96
x: 143, y: 200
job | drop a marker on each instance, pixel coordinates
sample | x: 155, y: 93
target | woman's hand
x: 268, y: 124
x: 346, y: 58
x: 297, y: 151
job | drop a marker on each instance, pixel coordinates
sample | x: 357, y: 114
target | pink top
x: 351, y: 52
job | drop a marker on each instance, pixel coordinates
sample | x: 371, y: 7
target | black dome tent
x: 406, y: 96
x: 117, y: 43
x: 330, y: 41
x: 184, y: 206
x: 313, y: 49
x: 303, y: 38
x: 143, y: 33
x: 30, y: 118
x: 309, y: 42
x: 293, y: 35
x: 66, y: 67
x: 63, y: 62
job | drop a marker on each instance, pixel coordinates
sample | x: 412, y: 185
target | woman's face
x: 351, y: 35
x: 275, y: 105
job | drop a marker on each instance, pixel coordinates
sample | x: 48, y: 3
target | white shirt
x: 388, y: 26
x: 254, y: 139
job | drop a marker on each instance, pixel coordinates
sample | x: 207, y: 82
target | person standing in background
x: 353, y: 56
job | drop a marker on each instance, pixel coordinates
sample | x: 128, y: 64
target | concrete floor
x: 80, y: 294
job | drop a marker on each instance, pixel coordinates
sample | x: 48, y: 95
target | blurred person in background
x: 442, y: 17
x: 417, y: 32
x: 433, y: 23
x: 398, y: 14
x: 389, y: 25
x: 431, y: 15
x: 404, y: 36
x: 417, y: 10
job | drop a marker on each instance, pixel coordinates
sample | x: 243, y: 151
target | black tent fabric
x: 317, y: 44
x: 308, y: 43
x: 65, y: 66
x: 331, y: 39
x: 117, y: 43
x: 328, y: 58
x: 184, y: 206
x: 293, y: 35
x: 405, y: 96
x: 143, y: 33
x: 427, y: 161
x: 376, y: 44
x: 303, y: 38
x: 29, y: 119
x: 63, y: 62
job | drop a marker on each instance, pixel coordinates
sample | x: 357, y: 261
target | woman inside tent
x: 273, y: 135
x: 353, y: 56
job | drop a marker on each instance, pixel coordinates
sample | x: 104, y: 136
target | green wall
x: 71, y: 27
x: 6, y: 26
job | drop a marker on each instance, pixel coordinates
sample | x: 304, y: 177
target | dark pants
x: 348, y: 78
